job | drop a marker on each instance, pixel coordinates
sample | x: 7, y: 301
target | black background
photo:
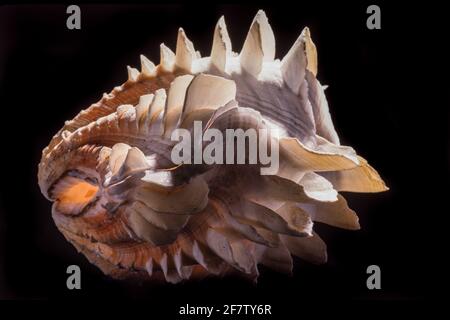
x: 382, y: 97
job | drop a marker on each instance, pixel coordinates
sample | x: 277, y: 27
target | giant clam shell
x: 121, y: 201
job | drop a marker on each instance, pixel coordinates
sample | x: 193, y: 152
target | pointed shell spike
x: 221, y: 48
x: 301, y: 57
x: 133, y: 73
x: 167, y: 58
x: 259, y: 46
x: 147, y: 67
x: 185, y: 52
x: 293, y: 65
x: 311, y: 51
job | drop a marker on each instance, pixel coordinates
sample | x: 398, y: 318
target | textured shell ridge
x: 120, y: 199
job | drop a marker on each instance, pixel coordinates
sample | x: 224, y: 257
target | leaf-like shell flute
x: 120, y: 199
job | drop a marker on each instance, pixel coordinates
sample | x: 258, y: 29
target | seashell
x: 120, y: 199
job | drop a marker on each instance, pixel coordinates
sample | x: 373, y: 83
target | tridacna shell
x: 121, y: 201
